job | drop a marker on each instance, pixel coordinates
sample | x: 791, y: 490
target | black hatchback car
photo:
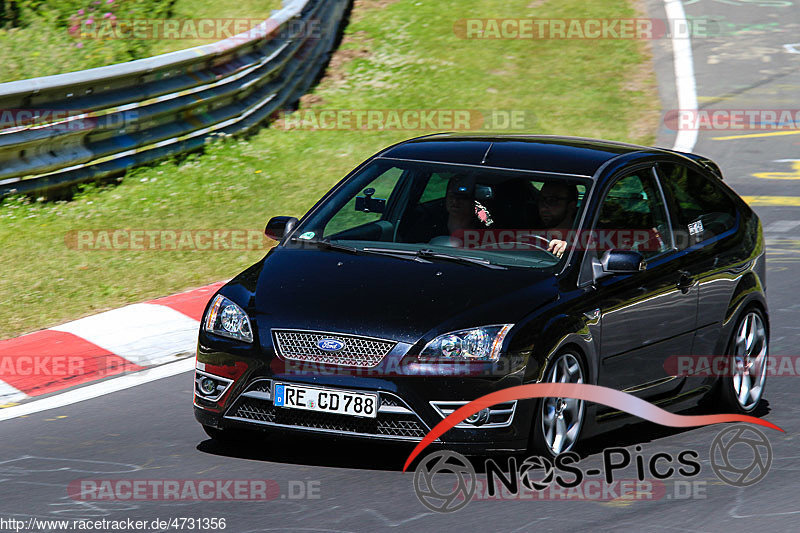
x: 450, y: 266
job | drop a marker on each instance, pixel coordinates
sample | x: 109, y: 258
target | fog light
x: 479, y: 418
x: 208, y: 385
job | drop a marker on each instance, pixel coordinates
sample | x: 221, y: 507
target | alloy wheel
x: 562, y: 418
x: 750, y: 361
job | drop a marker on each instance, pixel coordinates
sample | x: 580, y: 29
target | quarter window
x: 350, y: 217
x: 702, y: 208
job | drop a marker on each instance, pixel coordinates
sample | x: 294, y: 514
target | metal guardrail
x: 134, y: 113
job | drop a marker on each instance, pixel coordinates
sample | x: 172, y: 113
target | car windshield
x: 449, y: 212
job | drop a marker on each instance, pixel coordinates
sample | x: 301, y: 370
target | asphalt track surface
x: 148, y: 432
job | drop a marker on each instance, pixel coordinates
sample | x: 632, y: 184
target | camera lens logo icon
x: 532, y: 464
x: 733, y: 463
x: 455, y: 486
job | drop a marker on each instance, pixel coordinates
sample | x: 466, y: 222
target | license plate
x: 325, y: 400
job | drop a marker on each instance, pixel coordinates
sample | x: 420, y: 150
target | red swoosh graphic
x: 590, y: 393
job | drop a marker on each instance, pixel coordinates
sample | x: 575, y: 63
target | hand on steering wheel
x: 555, y: 247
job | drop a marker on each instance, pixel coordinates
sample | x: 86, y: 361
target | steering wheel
x: 531, y: 244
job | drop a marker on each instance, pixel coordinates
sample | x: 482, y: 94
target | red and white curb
x: 130, y: 338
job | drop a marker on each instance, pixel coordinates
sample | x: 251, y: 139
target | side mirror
x: 278, y: 227
x: 618, y: 262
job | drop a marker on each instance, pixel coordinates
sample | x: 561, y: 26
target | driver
x: 558, y: 204
x: 463, y: 212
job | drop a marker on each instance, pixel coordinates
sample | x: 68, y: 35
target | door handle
x: 685, y: 282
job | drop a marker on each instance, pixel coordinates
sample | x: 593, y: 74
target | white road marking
x: 782, y: 226
x: 793, y: 48
x: 145, y: 334
x: 9, y: 394
x: 685, y: 83
x: 99, y: 389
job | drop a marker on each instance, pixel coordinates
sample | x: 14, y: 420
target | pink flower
x: 81, y: 12
x: 109, y: 1
x: 74, y: 29
x: 107, y: 16
x: 89, y: 22
x: 79, y: 45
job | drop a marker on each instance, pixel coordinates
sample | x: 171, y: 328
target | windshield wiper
x: 430, y: 254
x: 399, y: 254
x: 327, y: 245
x: 414, y: 255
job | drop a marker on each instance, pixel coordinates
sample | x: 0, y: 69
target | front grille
x: 390, y: 399
x: 263, y: 385
x: 400, y: 426
x: 391, y: 425
x: 357, y: 351
x: 252, y: 410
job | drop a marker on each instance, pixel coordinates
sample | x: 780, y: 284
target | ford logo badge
x: 330, y: 345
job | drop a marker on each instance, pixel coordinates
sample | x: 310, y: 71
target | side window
x: 436, y: 188
x: 633, y: 217
x: 349, y: 217
x: 702, y: 209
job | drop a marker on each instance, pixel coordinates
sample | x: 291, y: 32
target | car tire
x: 557, y: 422
x: 742, y: 388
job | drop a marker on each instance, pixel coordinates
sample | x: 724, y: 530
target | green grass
x: 395, y: 56
x: 43, y: 46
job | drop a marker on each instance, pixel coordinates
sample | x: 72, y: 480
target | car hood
x: 387, y: 297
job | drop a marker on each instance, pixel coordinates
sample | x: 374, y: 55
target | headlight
x: 476, y: 344
x: 227, y: 319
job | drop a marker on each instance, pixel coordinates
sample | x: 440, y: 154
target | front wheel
x: 743, y: 387
x: 558, y: 421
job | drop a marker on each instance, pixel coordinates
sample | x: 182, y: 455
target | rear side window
x: 702, y: 207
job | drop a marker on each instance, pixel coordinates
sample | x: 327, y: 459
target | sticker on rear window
x: 696, y: 228
x: 307, y: 235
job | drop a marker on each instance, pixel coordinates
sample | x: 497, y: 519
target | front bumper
x: 408, y: 406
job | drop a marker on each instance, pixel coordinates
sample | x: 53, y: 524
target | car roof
x: 544, y: 153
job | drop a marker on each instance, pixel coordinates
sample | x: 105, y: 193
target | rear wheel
x: 558, y: 421
x: 743, y: 388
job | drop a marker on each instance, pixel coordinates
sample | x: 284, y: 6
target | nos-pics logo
x: 445, y: 481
